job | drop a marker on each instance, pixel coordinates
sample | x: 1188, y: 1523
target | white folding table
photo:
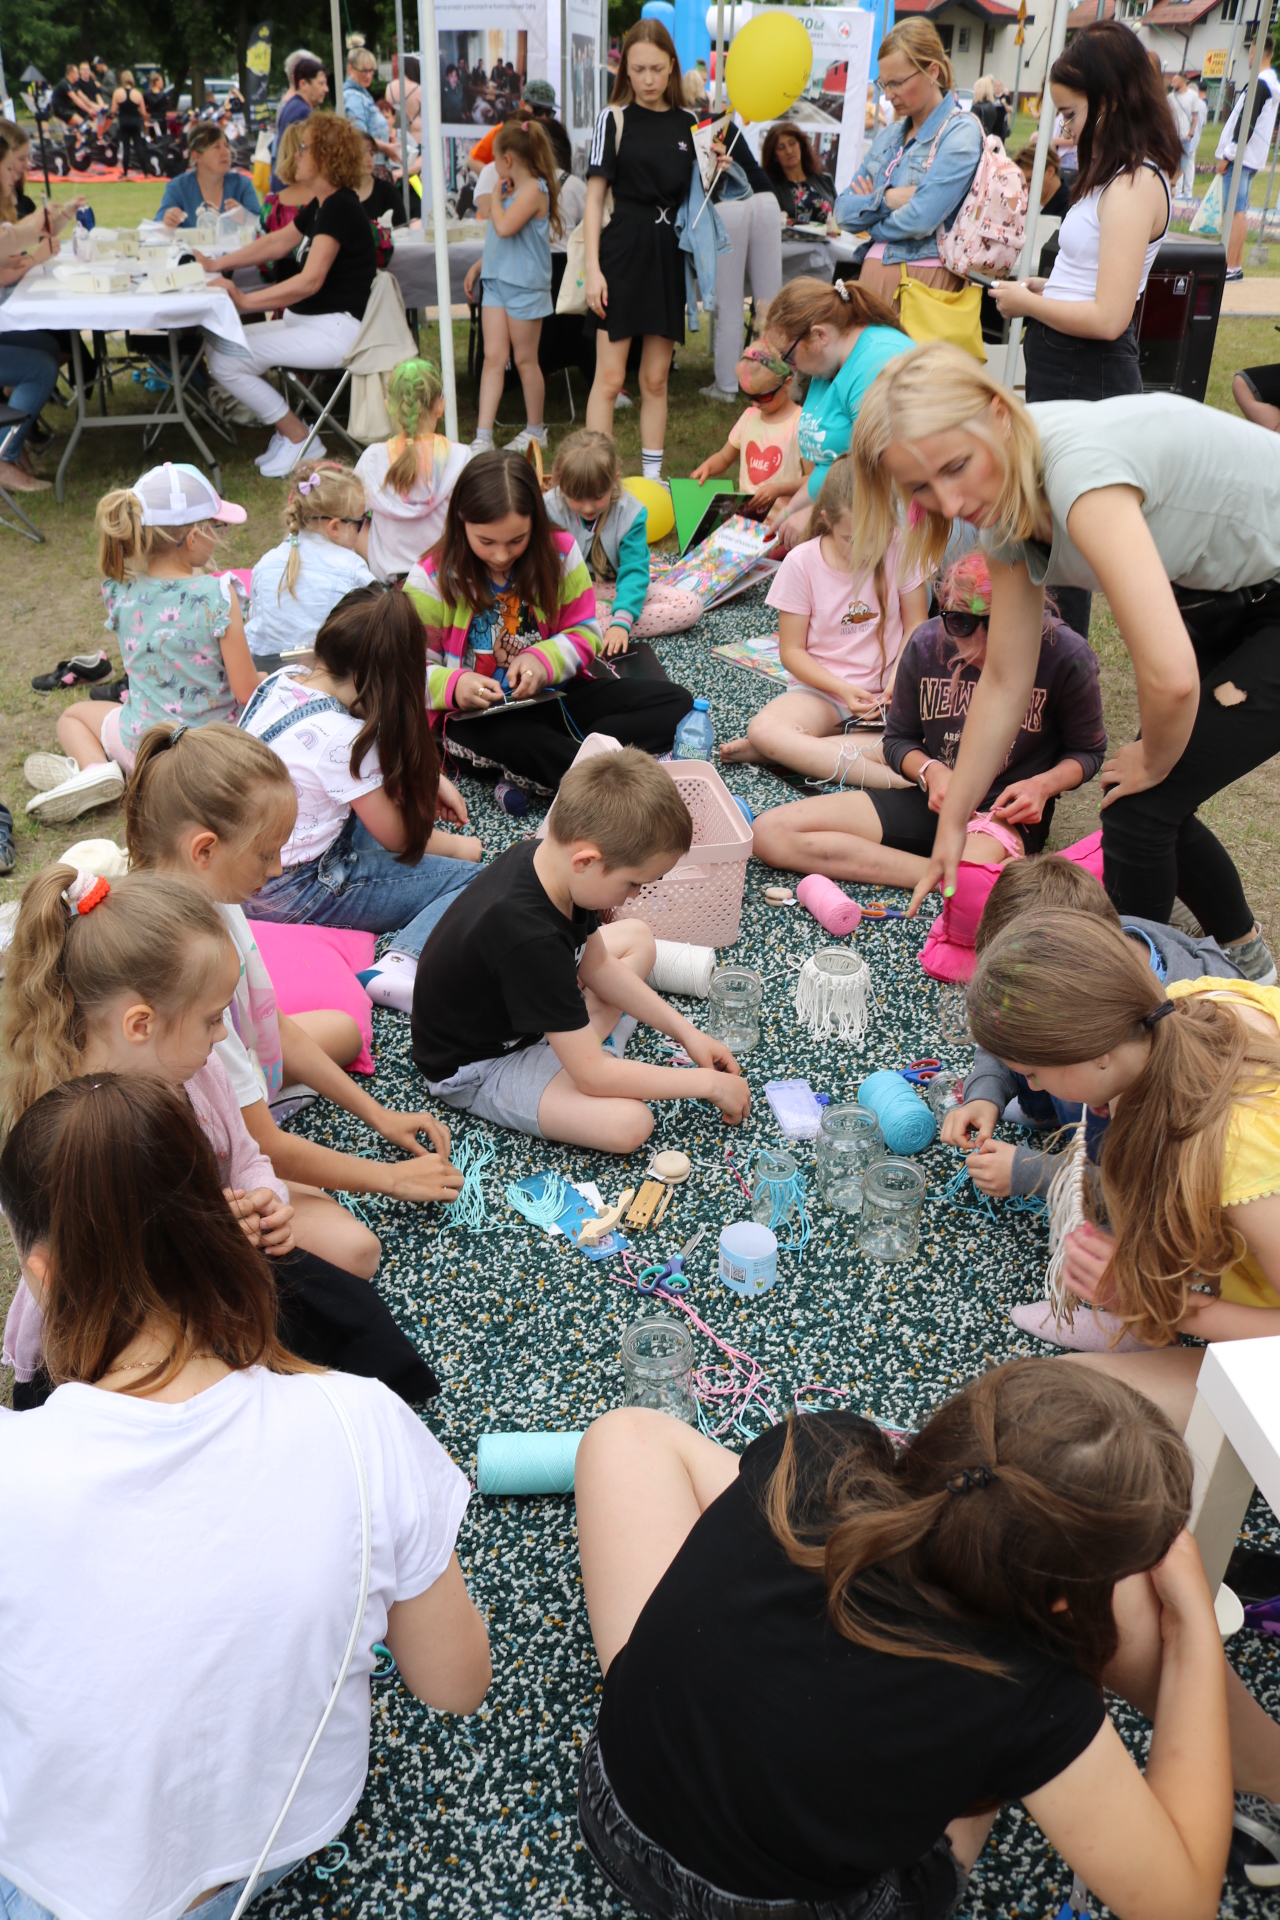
x: 1234, y: 1438
x: 32, y: 306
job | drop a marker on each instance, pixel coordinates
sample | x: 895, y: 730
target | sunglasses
x: 961, y: 625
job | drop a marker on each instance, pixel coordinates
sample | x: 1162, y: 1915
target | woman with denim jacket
x: 919, y: 168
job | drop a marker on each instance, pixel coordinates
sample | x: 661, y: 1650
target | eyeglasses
x: 786, y: 357
x: 960, y: 626
x: 896, y: 86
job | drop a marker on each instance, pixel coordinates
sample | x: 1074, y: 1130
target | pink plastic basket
x: 700, y: 900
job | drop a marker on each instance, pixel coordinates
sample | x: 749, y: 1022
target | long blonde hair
x: 321, y: 491
x: 586, y: 466
x: 932, y: 390
x: 1059, y: 988
x: 125, y: 543
x: 216, y: 777
x: 525, y: 141
x: 413, y: 393
x: 835, y: 502
x: 151, y: 936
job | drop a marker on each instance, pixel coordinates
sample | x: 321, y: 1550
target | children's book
x: 735, y: 556
x: 757, y: 655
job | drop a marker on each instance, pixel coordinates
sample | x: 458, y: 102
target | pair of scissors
x: 669, y: 1275
x: 921, y: 1072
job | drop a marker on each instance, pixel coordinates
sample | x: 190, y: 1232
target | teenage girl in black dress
x: 635, y: 270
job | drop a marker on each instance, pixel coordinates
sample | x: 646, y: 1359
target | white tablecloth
x: 31, y: 305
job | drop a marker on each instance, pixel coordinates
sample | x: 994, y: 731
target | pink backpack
x: 988, y: 232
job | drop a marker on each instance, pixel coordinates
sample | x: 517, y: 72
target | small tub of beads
x: 848, y: 1141
x: 748, y: 1257
x: 657, y: 1355
x: 892, y: 1196
x: 736, y: 995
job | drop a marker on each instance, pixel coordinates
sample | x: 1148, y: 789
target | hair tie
x: 181, y: 728
x: 1158, y: 1013
x: 970, y: 1478
x: 842, y: 290
x: 86, y: 892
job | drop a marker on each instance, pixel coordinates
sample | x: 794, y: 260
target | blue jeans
x: 29, y: 365
x: 17, y: 1905
x: 357, y: 883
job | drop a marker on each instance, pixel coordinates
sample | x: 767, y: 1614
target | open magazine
x: 757, y: 655
x: 736, y: 556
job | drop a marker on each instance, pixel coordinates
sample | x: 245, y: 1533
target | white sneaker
x: 389, y: 982
x: 95, y: 787
x: 524, y: 440
x: 480, y: 446
x: 45, y: 770
x: 624, y: 400
x: 282, y: 456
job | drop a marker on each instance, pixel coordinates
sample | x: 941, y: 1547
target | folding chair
x: 10, y: 417
x: 152, y: 362
x: 382, y: 343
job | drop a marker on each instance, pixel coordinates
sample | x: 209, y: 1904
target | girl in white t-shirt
x: 322, y: 557
x: 354, y: 734
x: 840, y: 634
x: 212, y: 806
x: 408, y: 479
x: 210, y: 1492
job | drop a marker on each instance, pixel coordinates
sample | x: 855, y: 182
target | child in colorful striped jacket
x: 510, y: 612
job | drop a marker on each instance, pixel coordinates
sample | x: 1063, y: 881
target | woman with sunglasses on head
x: 839, y: 337
x: 883, y: 834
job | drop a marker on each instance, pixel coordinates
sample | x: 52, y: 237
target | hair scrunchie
x: 86, y: 892
x: 842, y: 290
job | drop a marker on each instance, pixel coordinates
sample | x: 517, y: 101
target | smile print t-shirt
x: 769, y: 449
x: 844, y: 614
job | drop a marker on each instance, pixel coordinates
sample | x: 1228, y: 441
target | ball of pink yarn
x: 829, y: 904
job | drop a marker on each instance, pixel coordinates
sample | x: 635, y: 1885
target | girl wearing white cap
x: 181, y: 633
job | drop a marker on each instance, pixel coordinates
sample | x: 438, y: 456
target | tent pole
x: 403, y: 118
x: 429, y: 65
x: 1057, y: 39
x: 339, y: 56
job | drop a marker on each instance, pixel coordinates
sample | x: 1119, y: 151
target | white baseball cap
x: 176, y: 495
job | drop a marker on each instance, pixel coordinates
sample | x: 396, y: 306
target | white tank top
x: 1075, y: 271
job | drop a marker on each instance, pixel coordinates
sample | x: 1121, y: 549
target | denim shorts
x: 657, y: 1885
x: 506, y: 1091
x: 517, y: 301
x: 1246, y: 181
x: 17, y: 1905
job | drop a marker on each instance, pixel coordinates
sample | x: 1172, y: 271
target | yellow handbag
x: 929, y: 313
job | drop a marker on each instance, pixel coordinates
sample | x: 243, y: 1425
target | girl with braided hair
x: 408, y: 479
x: 830, y: 1660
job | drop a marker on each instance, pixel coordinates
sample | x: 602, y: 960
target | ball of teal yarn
x: 906, y: 1123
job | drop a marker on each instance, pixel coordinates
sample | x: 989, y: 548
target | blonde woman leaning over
x: 1169, y: 508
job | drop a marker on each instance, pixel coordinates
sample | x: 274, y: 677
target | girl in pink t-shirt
x: 839, y: 638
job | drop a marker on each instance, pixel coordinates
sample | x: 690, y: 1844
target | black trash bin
x: 1178, y: 315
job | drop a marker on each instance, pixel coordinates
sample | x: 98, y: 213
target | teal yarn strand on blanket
x: 526, y: 1462
x: 907, y: 1124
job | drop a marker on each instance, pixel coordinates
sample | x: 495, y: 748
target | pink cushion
x: 947, y: 953
x: 313, y: 970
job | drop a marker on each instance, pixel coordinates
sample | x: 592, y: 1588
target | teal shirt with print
x: 831, y: 406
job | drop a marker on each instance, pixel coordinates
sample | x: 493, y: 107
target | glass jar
x: 657, y: 1355
x: 944, y: 1091
x: 776, y: 1187
x: 207, y: 227
x: 736, y: 994
x: 848, y: 1141
x: 892, y: 1196
x: 953, y: 1016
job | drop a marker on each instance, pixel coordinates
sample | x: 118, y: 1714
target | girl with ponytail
x: 353, y: 732
x: 1190, y: 1163
x: 829, y: 1661
x: 408, y: 479
x: 322, y: 556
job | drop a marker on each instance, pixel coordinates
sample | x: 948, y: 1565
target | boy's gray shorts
x: 505, y: 1091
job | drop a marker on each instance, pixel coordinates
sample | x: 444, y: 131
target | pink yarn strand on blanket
x: 829, y: 904
x: 727, y: 1390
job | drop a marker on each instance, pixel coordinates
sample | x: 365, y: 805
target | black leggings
x: 131, y: 141
x: 1154, y: 848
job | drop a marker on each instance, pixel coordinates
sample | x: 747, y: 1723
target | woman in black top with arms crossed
x: 324, y: 301
x: 827, y: 1664
x: 635, y: 270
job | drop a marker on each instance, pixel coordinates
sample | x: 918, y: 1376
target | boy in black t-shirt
x: 519, y: 989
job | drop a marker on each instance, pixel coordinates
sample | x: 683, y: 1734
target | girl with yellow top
x: 1190, y: 1165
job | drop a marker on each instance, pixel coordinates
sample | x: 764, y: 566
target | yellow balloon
x: 768, y: 67
x: 657, y: 503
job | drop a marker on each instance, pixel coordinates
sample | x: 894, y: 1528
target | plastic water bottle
x: 695, y: 736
